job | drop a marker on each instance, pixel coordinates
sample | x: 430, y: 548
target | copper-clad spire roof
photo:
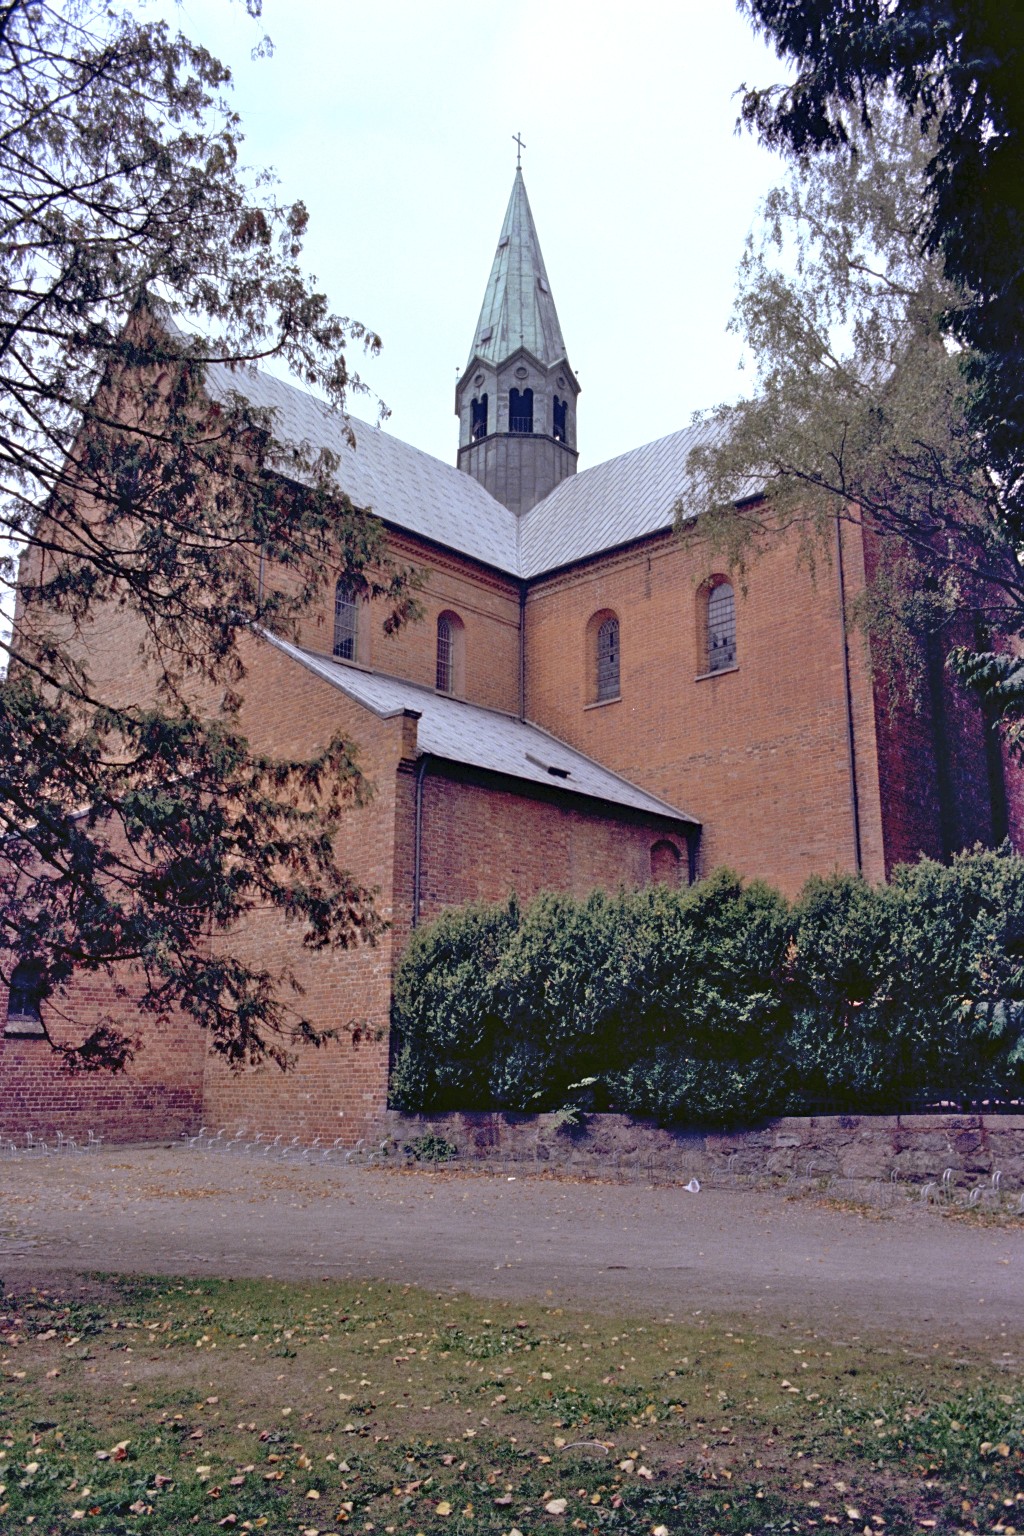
x: 518, y: 310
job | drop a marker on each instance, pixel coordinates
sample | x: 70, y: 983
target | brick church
x: 587, y: 701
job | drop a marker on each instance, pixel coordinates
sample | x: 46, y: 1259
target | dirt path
x: 166, y: 1210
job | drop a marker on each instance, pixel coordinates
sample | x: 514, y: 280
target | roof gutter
x: 522, y: 650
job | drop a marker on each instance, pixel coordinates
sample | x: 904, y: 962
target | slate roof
x: 402, y: 485
x: 518, y: 310
x: 610, y: 504
x: 482, y: 738
x: 599, y: 509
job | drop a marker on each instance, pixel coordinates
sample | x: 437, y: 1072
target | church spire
x: 518, y: 310
x: 516, y: 400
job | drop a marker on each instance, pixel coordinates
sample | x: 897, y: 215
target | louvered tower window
x: 346, y: 621
x: 608, y: 660
x: 721, y: 627
x: 445, y: 654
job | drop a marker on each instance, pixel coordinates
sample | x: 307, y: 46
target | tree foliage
x: 141, y: 489
x: 861, y: 411
x: 953, y: 68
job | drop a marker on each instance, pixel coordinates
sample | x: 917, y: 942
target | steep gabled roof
x: 599, y: 509
x: 483, y: 738
x: 402, y: 485
x: 518, y: 309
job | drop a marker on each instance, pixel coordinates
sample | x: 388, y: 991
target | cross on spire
x: 520, y: 146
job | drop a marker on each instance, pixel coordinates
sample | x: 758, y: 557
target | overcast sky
x: 394, y: 123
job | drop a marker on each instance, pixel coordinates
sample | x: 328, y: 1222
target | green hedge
x: 722, y: 1004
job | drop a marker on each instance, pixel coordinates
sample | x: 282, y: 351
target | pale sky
x: 394, y: 123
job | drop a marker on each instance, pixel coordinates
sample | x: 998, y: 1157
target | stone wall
x: 917, y: 1149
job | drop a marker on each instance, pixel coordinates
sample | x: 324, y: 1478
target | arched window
x: 520, y: 410
x: 559, y: 430
x: 665, y: 863
x: 478, y: 427
x: 450, y: 633
x: 27, y: 990
x: 346, y: 622
x: 603, y: 657
x: 608, y: 660
x: 721, y: 627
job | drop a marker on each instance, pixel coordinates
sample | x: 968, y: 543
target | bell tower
x: 516, y: 399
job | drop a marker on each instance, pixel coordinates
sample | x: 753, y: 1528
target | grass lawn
x: 169, y: 1406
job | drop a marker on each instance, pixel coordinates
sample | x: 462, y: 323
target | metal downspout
x: 421, y: 773
x: 522, y: 650
x: 851, y: 759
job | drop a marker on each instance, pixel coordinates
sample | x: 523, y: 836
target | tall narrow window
x: 445, y: 654
x: 608, y: 660
x: 559, y: 430
x: 721, y: 628
x: 450, y: 654
x: 478, y: 427
x: 346, y: 621
x: 520, y: 410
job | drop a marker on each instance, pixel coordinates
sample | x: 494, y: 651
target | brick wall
x: 339, y: 1089
x: 481, y: 838
x: 486, y: 602
x: 173, y: 1084
x: 484, y: 838
x: 942, y: 786
x: 758, y: 754
x: 159, y: 1094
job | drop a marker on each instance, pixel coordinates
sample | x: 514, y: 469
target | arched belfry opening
x: 520, y: 410
x: 516, y: 398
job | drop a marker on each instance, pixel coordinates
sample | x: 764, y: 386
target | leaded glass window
x: 445, y: 654
x: 346, y: 621
x: 721, y: 627
x: 608, y: 660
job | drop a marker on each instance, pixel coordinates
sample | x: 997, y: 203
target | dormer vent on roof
x: 518, y: 354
